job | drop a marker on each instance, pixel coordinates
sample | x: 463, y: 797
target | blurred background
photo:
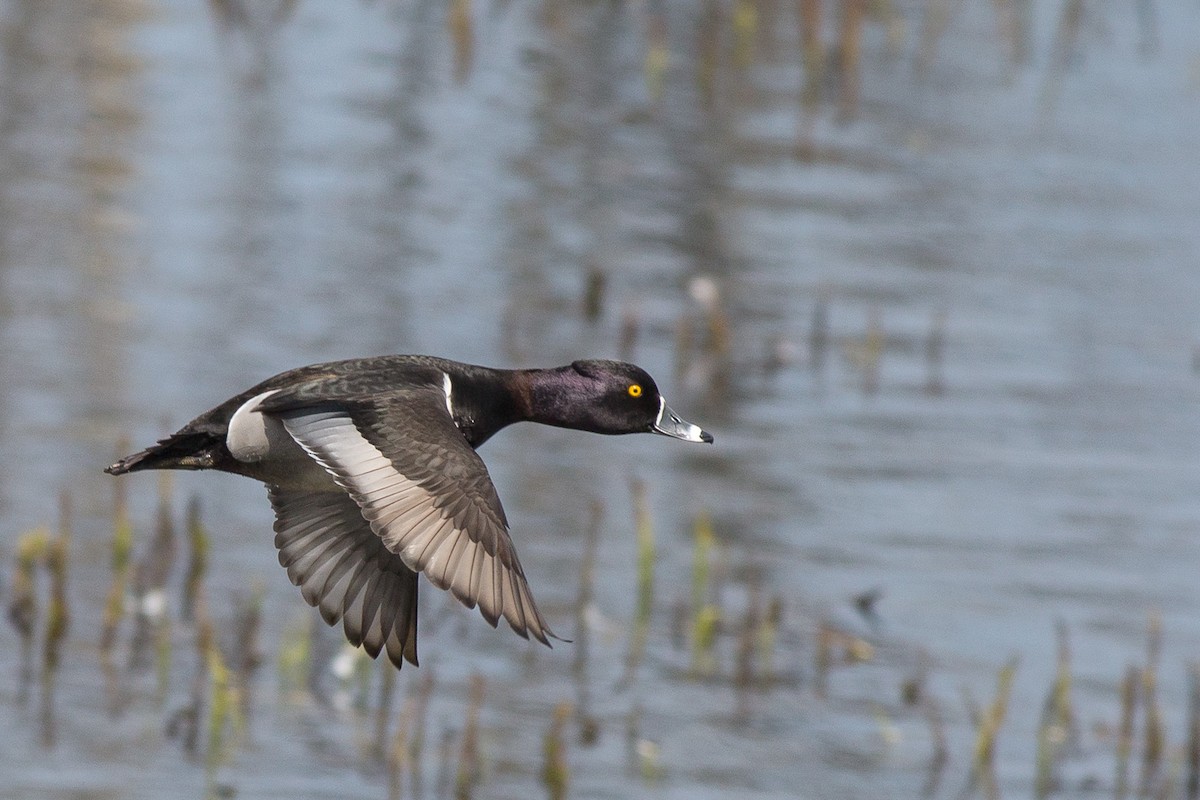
x: 927, y: 269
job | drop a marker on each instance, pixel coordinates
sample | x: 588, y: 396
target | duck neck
x: 553, y: 396
x: 480, y: 411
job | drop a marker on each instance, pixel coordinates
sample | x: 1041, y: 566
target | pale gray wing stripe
x: 406, y: 516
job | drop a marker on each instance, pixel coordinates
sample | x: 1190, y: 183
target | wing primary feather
x: 464, y: 572
x: 404, y: 603
x: 410, y: 636
x: 458, y: 551
x: 376, y: 639
x: 333, y: 602
x: 390, y: 608
x: 533, y: 617
x: 487, y: 590
x: 370, y: 604
x: 508, y: 604
x: 307, y: 571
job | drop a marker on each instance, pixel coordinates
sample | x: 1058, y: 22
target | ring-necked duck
x: 370, y: 466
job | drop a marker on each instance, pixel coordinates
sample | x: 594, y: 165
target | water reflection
x: 69, y: 90
x: 942, y: 335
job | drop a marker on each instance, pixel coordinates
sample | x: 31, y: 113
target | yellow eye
x: 635, y: 390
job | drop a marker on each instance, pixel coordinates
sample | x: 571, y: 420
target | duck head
x: 609, y: 397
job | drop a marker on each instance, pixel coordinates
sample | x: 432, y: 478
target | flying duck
x: 371, y: 469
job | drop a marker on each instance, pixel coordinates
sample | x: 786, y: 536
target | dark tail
x: 180, y: 451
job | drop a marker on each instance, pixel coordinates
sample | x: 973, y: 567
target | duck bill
x: 671, y: 424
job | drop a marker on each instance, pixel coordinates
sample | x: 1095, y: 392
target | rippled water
x: 982, y: 291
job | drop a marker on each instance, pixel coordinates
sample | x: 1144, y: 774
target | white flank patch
x: 247, y: 438
x: 448, y: 388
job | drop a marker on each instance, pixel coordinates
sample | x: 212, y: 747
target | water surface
x: 186, y: 208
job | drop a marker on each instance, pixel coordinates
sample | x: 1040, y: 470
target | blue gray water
x: 186, y: 209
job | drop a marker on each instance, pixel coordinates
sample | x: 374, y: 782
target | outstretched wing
x: 424, y: 492
x: 344, y: 570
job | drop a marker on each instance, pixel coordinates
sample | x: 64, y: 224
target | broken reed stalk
x: 462, y: 34
x: 161, y: 559
x: 469, y: 763
x: 873, y: 347
x: 1008, y: 21
x: 184, y: 724
x: 397, y: 754
x: 633, y: 733
x: 768, y: 632
x: 556, y: 773
x: 198, y: 549
x: 230, y: 15
x: 356, y: 681
x: 162, y: 657
x: 812, y: 50
x: 445, y: 751
x: 627, y: 340
x: 990, y: 722
x: 718, y: 340
x: 295, y: 658
x: 708, y: 50
x: 818, y: 333
x: 704, y: 539
x: 115, y: 603
x: 1064, y: 706
x: 706, y: 615
x: 420, y: 718
x: 201, y: 682
x: 163, y: 547
x: 941, y: 751
x: 1129, y: 692
x: 1192, y: 755
x: 377, y: 749
x: 246, y: 655
x: 1153, y: 744
x: 745, y: 29
x: 150, y: 581
x: 658, y: 54
x: 645, y: 582
x: 22, y: 606
x: 224, y: 717
x: 743, y: 673
x: 684, y: 344
x: 594, y: 291
x: 1057, y: 727
x: 935, y: 347
x: 122, y: 549
x: 854, y: 14
x: 894, y: 24
x: 1148, y: 37
x: 823, y: 659
x: 587, y: 580
x: 934, y: 21
x: 1062, y: 53
x: 812, y: 55
x: 58, y: 616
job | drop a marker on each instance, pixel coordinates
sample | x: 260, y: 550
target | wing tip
x: 549, y: 634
